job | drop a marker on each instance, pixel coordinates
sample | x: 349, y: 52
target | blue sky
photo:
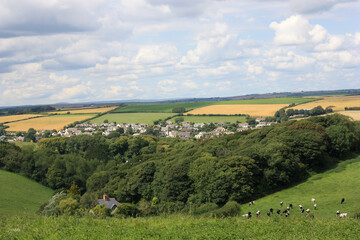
x: 96, y: 50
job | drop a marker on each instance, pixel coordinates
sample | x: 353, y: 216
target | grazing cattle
x: 258, y: 213
x: 285, y: 211
x: 287, y: 214
x: 248, y: 215
x: 281, y: 203
x: 300, y: 206
x: 315, y: 206
x: 302, y: 210
x: 288, y: 208
x: 343, y: 215
x: 290, y: 205
x: 271, y: 210
x: 268, y: 213
x: 313, y: 200
x: 337, y: 212
x: 307, y: 211
x: 278, y: 211
x: 251, y: 203
x: 342, y: 200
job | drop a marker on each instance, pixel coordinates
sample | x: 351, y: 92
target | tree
x: 30, y: 135
x: 106, y: 121
x: 68, y: 206
x: 178, y: 110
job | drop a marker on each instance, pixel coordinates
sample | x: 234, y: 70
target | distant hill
x: 20, y: 195
x: 327, y: 188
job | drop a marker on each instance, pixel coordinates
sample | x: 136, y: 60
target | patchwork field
x: 147, y: 118
x: 84, y: 110
x: 47, y: 123
x: 13, y: 118
x: 212, y: 119
x: 255, y: 110
x: 167, y: 107
x: 353, y: 114
x: 338, y: 102
x: 327, y: 188
x: 19, y: 195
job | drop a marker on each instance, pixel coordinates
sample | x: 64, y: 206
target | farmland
x: 13, y: 118
x: 84, y: 110
x: 19, y: 195
x: 264, y: 110
x: 167, y: 107
x: 338, y: 102
x: 47, y: 123
x: 147, y: 118
x: 213, y: 119
x: 353, y: 114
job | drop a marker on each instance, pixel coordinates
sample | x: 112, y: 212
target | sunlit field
x: 338, y: 102
x: 255, y: 110
x: 84, y: 110
x: 212, y: 119
x: 13, y: 118
x: 147, y: 118
x: 353, y: 114
x: 56, y: 122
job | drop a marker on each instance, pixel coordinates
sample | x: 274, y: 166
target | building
x: 108, y: 202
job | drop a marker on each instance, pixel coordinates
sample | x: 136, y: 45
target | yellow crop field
x: 338, y: 102
x: 84, y: 110
x: 46, y: 123
x: 13, y: 118
x: 353, y: 114
x: 255, y: 110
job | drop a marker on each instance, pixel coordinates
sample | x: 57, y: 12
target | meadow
x: 212, y: 119
x: 167, y: 107
x: 13, y: 118
x: 147, y: 118
x: 353, y: 114
x: 84, y: 110
x: 327, y: 188
x: 254, y: 110
x: 20, y: 195
x: 56, y: 122
x: 338, y: 102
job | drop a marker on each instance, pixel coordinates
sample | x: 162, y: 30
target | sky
x: 73, y: 51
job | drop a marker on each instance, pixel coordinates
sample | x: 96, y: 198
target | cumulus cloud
x: 167, y: 85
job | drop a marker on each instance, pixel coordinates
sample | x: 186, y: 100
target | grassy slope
x: 167, y: 107
x: 327, y: 188
x: 18, y: 192
x: 148, y: 118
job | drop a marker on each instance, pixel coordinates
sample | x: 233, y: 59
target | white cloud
x: 190, y: 84
x: 167, y: 85
x: 311, y: 6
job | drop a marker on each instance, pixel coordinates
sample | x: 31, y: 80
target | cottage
x: 108, y: 202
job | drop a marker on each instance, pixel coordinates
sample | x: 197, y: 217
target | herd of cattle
x: 286, y: 212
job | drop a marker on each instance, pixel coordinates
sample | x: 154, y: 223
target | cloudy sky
x: 88, y: 50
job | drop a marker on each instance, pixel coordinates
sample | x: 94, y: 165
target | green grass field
x: 213, y: 119
x: 167, y: 107
x: 148, y: 118
x: 19, y: 195
x: 327, y: 188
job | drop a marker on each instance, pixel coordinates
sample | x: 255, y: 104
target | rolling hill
x: 19, y: 195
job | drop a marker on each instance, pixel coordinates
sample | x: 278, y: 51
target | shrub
x: 230, y: 209
x: 52, y: 206
x: 68, y: 206
x: 101, y: 211
x: 205, y: 208
x: 126, y: 210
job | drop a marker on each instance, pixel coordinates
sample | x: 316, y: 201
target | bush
x: 205, y: 208
x: 101, y: 211
x: 170, y: 207
x: 52, y: 206
x: 126, y: 210
x: 230, y: 209
x: 68, y: 206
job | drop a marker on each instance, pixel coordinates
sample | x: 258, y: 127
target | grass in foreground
x: 147, y: 118
x: 327, y: 188
x: 177, y: 227
x: 19, y: 195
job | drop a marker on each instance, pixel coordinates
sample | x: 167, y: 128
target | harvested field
x: 84, y: 110
x: 353, y: 114
x: 46, y: 123
x: 13, y: 118
x: 255, y: 110
x: 212, y: 119
x: 339, y: 102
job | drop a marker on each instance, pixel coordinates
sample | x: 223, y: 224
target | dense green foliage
x: 20, y: 195
x: 181, y: 174
x: 177, y: 227
x: 28, y: 110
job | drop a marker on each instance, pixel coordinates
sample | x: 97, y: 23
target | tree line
x: 181, y: 174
